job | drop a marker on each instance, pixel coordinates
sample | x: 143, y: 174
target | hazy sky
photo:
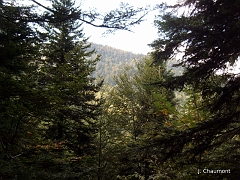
x: 136, y: 41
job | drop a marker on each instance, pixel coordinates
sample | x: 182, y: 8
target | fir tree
x: 65, y: 76
x: 68, y: 69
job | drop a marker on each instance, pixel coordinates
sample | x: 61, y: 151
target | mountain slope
x: 112, y: 61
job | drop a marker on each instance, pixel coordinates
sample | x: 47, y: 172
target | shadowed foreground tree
x: 20, y: 102
x: 207, y: 33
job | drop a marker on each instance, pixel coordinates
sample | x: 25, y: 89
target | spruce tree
x: 68, y: 67
x: 65, y: 76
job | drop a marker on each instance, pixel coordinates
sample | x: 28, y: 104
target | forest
x: 112, y: 61
x: 152, y: 118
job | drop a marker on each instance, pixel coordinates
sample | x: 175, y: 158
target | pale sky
x: 136, y: 41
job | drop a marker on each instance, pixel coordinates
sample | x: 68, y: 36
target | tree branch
x: 122, y: 18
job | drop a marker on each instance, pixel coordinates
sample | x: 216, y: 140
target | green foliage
x: 20, y: 101
x: 53, y: 127
x: 69, y: 124
x: 48, y: 94
x: 48, y: 104
x: 208, y: 31
x: 135, y: 111
x: 112, y: 62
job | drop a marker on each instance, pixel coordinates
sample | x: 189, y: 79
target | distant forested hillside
x: 112, y: 61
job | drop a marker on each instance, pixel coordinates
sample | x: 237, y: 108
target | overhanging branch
x: 122, y: 18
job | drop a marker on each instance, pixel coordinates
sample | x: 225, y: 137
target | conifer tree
x: 208, y: 31
x: 20, y: 101
x: 65, y: 76
x: 68, y: 67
